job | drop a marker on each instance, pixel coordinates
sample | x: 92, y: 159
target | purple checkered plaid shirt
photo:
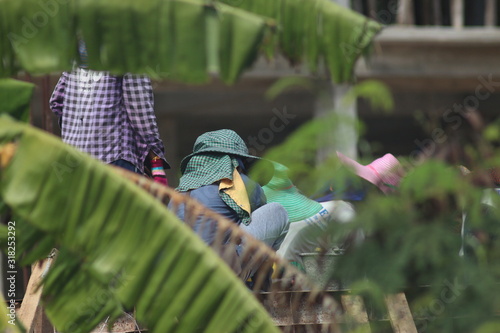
x: 109, y: 117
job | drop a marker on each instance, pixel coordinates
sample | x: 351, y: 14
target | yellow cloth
x: 236, y: 190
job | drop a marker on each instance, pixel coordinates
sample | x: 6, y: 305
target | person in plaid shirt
x: 111, y: 118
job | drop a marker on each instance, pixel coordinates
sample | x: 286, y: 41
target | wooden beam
x: 355, y: 312
x: 31, y: 312
x: 400, y: 314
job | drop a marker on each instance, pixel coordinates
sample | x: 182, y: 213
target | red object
x: 158, y: 171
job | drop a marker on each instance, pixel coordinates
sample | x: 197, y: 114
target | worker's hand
x: 157, y: 171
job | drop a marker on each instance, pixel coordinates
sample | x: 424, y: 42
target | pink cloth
x: 384, y: 172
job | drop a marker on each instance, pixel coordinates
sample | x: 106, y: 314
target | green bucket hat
x: 224, y: 141
x: 280, y: 189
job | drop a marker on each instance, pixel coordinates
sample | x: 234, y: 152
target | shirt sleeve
x: 56, y: 101
x: 139, y: 103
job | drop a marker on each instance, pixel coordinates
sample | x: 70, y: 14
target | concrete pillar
x: 343, y: 136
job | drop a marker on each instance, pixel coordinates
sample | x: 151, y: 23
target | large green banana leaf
x: 162, y: 38
x: 15, y: 98
x: 183, y: 40
x: 317, y: 32
x: 119, y: 248
x: 8, y: 65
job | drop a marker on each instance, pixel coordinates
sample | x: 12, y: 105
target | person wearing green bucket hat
x: 308, y: 218
x: 215, y: 174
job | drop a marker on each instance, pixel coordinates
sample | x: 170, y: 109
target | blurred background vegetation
x: 436, y: 238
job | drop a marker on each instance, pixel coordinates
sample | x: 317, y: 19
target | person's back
x: 214, y: 174
x: 310, y: 220
x: 110, y: 117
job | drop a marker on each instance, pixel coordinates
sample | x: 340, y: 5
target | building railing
x: 454, y: 13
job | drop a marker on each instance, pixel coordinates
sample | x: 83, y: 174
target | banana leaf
x: 179, y: 39
x: 189, y: 41
x: 317, y: 32
x: 236, y: 56
x: 42, y: 34
x: 291, y: 37
x: 346, y: 35
x: 15, y: 98
x: 8, y: 65
x: 115, y: 241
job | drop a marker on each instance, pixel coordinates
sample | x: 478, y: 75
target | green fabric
x: 214, y: 158
x: 298, y: 265
x: 206, y: 169
x: 242, y: 214
x: 281, y: 190
x: 223, y: 141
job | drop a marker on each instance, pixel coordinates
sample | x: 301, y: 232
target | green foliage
x: 299, y: 151
x: 8, y: 63
x: 490, y: 327
x: 413, y: 243
x: 182, y: 40
x: 378, y: 94
x: 235, y: 26
x: 289, y: 82
x: 8, y: 320
x: 413, y: 238
x: 118, y: 247
x: 165, y: 39
x: 15, y: 98
x: 42, y: 35
x: 319, y: 33
x: 3, y: 237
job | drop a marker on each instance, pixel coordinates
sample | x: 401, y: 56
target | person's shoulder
x: 204, y: 190
x: 340, y: 210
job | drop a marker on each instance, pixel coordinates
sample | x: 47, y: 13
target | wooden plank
x: 400, y: 314
x: 355, y: 311
x: 31, y: 312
